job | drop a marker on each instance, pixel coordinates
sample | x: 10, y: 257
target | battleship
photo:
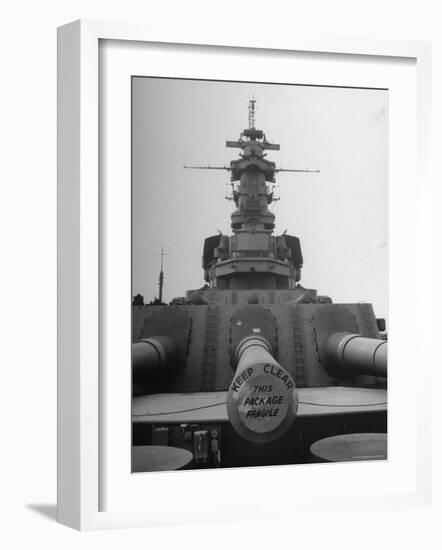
x: 253, y: 368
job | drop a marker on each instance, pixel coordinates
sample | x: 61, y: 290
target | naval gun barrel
x: 253, y: 349
x: 356, y: 354
x: 262, y: 400
x: 153, y: 358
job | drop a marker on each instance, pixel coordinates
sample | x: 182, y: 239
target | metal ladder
x: 298, y: 348
x: 210, y: 348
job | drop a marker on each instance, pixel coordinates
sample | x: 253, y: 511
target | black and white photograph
x: 259, y: 274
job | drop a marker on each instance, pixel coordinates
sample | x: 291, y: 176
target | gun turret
x: 355, y: 354
x: 160, y: 352
x: 154, y: 358
x: 262, y: 400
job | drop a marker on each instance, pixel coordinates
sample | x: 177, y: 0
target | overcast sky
x: 340, y: 215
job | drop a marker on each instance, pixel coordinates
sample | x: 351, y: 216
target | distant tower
x: 138, y: 300
x: 161, y: 278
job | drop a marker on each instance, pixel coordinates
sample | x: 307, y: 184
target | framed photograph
x: 238, y: 225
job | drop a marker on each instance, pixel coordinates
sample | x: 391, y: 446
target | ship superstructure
x: 253, y: 257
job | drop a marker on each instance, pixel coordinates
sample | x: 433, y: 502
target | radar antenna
x: 252, y: 113
x: 292, y: 170
x: 207, y: 167
x: 253, y: 144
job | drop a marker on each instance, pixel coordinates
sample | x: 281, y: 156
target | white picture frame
x: 80, y: 445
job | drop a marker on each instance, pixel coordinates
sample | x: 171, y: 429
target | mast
x: 161, y: 276
x: 252, y: 113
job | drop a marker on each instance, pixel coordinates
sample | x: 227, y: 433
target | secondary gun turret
x: 355, y: 354
x: 154, y: 358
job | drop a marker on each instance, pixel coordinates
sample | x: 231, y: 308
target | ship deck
x: 173, y: 408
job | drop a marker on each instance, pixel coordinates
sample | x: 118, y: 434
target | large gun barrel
x: 262, y: 400
x: 356, y: 353
x: 153, y: 358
